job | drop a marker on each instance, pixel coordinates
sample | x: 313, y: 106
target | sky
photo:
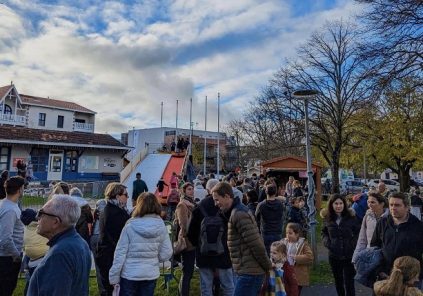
x: 123, y: 58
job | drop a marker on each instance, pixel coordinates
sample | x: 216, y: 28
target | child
x: 299, y: 254
x: 404, y: 275
x: 296, y: 213
x: 160, y: 186
x: 282, y: 279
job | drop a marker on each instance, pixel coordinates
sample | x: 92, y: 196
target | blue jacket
x: 367, y: 261
x: 65, y: 268
x: 360, y: 206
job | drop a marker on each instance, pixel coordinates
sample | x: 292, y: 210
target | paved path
x: 329, y: 290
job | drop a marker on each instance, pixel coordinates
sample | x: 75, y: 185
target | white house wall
x: 105, y: 160
x: 19, y: 152
x: 51, y: 118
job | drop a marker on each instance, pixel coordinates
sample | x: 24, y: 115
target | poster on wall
x: 109, y: 162
x: 16, y: 159
x: 89, y: 162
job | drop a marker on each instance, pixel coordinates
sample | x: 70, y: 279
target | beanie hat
x: 28, y: 216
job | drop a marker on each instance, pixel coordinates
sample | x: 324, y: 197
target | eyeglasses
x: 125, y: 193
x: 42, y: 212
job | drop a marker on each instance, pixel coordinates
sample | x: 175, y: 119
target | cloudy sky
x: 123, y: 58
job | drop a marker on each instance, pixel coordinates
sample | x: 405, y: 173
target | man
x: 398, y: 234
x: 289, y: 189
x: 11, y: 235
x: 209, y: 264
x: 246, y: 247
x: 138, y: 187
x: 270, y: 215
x: 65, y: 269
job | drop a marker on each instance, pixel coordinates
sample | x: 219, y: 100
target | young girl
x: 404, y: 274
x: 299, y: 254
x: 282, y: 280
x: 340, y: 233
x: 297, y: 214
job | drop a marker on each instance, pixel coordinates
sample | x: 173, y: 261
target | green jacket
x: 138, y: 187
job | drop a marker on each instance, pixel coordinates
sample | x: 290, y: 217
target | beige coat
x: 183, y: 215
x: 303, y: 261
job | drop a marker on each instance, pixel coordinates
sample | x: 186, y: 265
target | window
x: 7, y: 109
x: 170, y: 133
x: 41, y: 119
x: 39, y: 159
x: 60, y: 120
x: 71, y: 161
x: 79, y: 120
x: 4, y: 158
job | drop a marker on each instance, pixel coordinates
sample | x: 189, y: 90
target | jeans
x: 93, y: 245
x: 170, y: 212
x: 268, y: 239
x: 188, y: 261
x: 9, y: 271
x: 226, y: 281
x: 136, y: 288
x: 248, y: 285
x: 343, y: 273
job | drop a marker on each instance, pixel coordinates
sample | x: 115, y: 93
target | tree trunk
x: 404, y: 178
x: 335, y: 172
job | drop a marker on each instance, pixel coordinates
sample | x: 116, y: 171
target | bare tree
x: 329, y: 62
x: 395, y: 28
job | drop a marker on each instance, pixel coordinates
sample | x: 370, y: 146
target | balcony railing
x: 12, y: 119
x: 83, y: 127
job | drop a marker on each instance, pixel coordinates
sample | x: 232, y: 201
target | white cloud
x: 127, y: 67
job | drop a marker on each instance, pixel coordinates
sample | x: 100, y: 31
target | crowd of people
x: 246, y: 236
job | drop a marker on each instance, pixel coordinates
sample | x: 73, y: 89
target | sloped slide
x: 175, y: 164
x: 151, y: 169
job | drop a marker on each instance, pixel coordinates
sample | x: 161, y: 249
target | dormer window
x: 7, y: 109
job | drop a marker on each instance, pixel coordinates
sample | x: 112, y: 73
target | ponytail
x: 393, y: 286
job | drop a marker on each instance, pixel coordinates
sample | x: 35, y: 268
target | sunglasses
x: 42, y: 212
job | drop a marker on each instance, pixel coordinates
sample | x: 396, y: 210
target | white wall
x: 104, y: 159
x: 19, y: 152
x: 51, y: 118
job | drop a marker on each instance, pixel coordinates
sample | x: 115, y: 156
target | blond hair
x: 147, y: 203
x: 113, y: 190
x: 405, y: 269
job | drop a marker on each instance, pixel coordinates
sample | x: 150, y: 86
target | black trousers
x: 188, y: 261
x: 343, y: 272
x: 9, y: 272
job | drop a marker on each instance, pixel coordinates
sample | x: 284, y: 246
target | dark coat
x: 222, y: 261
x: 138, y: 187
x: 269, y: 216
x: 65, y: 268
x: 405, y: 239
x: 341, y: 239
x: 82, y: 225
x: 112, y: 221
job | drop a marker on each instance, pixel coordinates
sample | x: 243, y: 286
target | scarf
x: 276, y: 286
x: 118, y: 204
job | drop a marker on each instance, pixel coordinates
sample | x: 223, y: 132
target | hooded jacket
x: 269, y: 216
x: 368, y: 226
x: 340, y: 239
x: 143, y: 244
x: 303, y: 261
x: 405, y: 239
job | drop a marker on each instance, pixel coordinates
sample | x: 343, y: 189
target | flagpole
x: 161, y: 114
x: 190, y: 126
x: 205, y: 138
x: 218, y: 135
x: 176, y: 131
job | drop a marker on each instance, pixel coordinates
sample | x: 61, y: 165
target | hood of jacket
x: 148, y: 226
x: 324, y: 212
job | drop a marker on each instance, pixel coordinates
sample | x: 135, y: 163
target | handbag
x: 180, y: 245
x: 116, y: 290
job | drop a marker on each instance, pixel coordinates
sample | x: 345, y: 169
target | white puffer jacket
x: 143, y: 244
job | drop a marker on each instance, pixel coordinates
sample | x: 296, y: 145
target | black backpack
x: 212, y: 230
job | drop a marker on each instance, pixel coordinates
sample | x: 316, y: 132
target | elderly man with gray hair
x: 208, y: 232
x: 65, y: 268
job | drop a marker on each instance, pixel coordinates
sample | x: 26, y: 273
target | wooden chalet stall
x: 283, y: 167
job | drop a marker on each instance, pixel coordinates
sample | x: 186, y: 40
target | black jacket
x: 341, y: 239
x: 269, y: 216
x: 296, y: 215
x: 405, y: 239
x: 222, y: 261
x: 112, y: 221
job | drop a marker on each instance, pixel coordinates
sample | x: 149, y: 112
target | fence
x: 35, y: 196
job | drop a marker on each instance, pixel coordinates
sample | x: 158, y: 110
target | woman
x: 377, y: 204
x: 143, y: 244
x: 404, y: 275
x: 86, y: 220
x: 183, y: 216
x: 340, y: 233
x: 297, y: 191
x: 112, y: 221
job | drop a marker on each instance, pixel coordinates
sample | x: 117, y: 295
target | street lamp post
x: 307, y: 95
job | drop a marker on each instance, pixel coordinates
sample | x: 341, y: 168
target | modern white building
x: 56, y: 138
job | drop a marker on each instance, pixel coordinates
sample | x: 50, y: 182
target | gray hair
x: 66, y: 208
x: 75, y: 191
x: 210, y: 184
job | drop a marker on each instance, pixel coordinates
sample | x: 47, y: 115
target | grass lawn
x: 33, y: 200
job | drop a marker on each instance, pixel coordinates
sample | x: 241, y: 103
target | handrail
x: 126, y: 172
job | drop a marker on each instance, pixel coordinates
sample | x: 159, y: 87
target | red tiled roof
x: 4, y: 90
x: 31, y: 100
x: 10, y: 134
